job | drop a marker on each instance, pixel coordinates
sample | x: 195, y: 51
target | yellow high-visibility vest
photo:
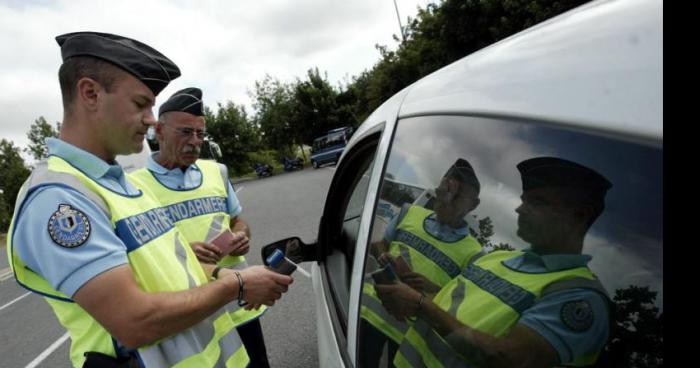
x: 161, y: 261
x: 201, y: 214
x: 437, y: 260
x: 489, y: 297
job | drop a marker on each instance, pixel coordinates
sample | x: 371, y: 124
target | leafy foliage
x: 38, y: 132
x: 484, y: 233
x: 273, y: 101
x: 637, y: 336
x: 13, y: 173
x: 235, y: 133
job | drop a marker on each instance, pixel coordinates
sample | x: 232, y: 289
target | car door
x: 338, y: 234
x: 624, y: 243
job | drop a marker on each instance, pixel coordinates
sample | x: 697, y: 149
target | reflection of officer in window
x: 535, y: 308
x: 429, y: 248
x: 426, y: 249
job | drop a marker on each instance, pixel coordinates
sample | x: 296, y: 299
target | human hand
x: 250, y: 306
x: 419, y: 282
x: 206, y: 252
x: 240, y: 244
x: 398, y: 263
x: 264, y: 286
x: 400, y: 300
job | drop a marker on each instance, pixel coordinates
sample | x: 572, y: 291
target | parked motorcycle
x: 263, y: 170
x: 291, y: 164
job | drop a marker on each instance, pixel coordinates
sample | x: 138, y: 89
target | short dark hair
x: 103, y: 72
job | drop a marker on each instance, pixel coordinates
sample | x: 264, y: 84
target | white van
x: 586, y: 86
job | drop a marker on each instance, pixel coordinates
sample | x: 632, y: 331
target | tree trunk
x: 301, y: 146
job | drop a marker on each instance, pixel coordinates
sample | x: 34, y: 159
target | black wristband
x: 215, y: 273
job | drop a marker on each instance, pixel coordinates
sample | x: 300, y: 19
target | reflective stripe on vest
x: 437, y: 260
x: 149, y: 234
x: 372, y: 311
x: 429, y: 251
x: 181, y: 350
x: 488, y: 297
x: 201, y: 214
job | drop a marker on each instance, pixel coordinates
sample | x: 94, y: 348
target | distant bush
x: 270, y: 157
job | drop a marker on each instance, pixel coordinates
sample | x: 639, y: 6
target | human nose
x: 149, y: 119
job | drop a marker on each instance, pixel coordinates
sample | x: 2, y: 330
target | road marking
x: 14, y: 301
x: 239, y: 189
x: 48, y: 351
x: 5, y: 274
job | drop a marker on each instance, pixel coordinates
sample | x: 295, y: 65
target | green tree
x: 38, y: 132
x: 484, y: 234
x: 5, y: 215
x: 236, y: 135
x: 13, y: 173
x: 637, y: 336
x: 315, y: 108
x: 273, y: 103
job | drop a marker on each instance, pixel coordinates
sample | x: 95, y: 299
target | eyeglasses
x: 187, y: 132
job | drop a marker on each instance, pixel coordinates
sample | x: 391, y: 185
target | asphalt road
x: 277, y: 207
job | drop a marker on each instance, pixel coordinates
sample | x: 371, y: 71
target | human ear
x: 88, y: 91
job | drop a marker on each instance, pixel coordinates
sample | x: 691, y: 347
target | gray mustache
x: 191, y: 149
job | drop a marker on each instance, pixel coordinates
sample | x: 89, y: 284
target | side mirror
x: 296, y: 250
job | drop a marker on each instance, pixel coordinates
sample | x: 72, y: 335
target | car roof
x: 598, y: 67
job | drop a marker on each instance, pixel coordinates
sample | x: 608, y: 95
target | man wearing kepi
x: 200, y: 199
x: 542, y: 307
x: 109, y: 260
x: 427, y: 248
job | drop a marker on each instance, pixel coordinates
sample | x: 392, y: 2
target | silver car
x: 586, y: 87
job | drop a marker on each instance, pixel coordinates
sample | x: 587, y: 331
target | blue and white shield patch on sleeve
x: 69, y: 227
x: 577, y: 315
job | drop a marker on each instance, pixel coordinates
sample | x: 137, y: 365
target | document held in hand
x: 225, y: 241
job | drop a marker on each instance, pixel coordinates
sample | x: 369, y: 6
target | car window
x: 341, y: 223
x: 505, y: 225
x: 336, y: 138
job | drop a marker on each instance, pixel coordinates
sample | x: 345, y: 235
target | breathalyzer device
x: 281, y: 264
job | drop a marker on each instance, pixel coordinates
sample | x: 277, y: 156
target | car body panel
x: 386, y: 118
x: 577, y: 69
x: 597, y: 68
x: 328, y: 353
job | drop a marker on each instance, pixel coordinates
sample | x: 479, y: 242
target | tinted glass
x: 350, y: 191
x: 454, y: 188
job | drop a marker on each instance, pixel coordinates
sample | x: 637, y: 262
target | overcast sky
x: 221, y: 46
